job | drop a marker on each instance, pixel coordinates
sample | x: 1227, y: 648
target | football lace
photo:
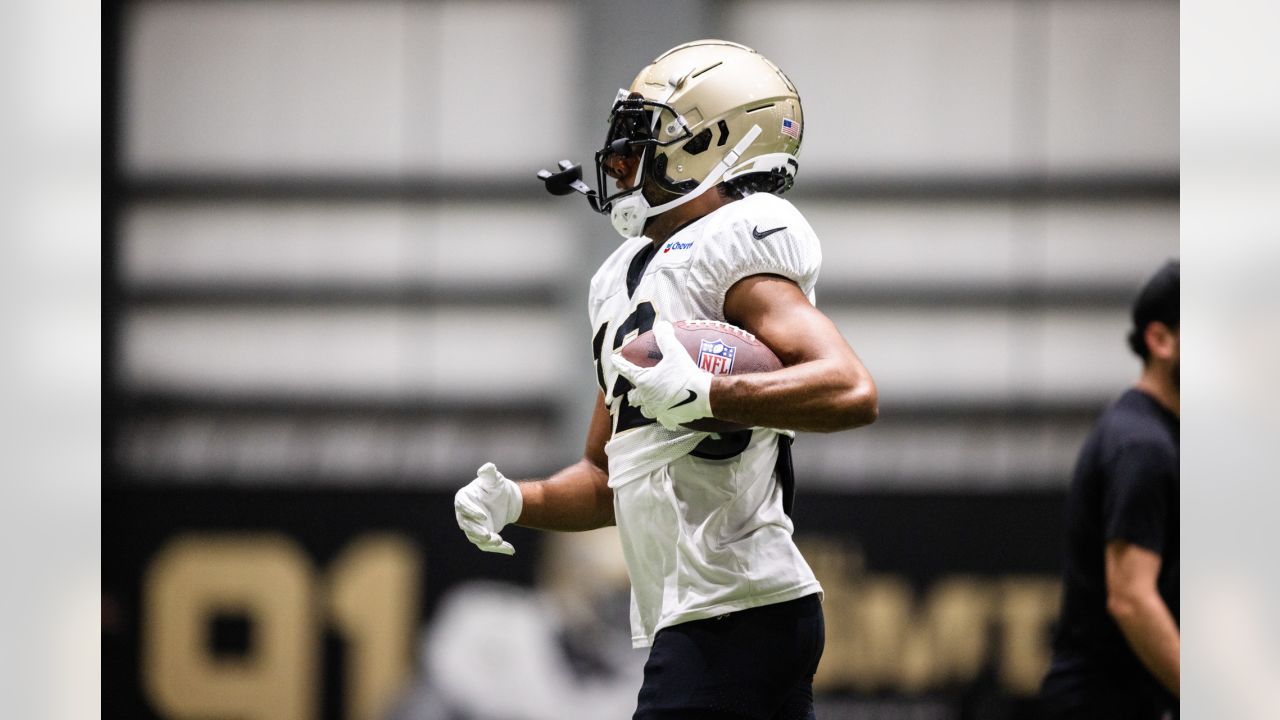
x: 717, y: 325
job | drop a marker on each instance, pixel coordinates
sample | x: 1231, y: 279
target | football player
x: 698, y: 150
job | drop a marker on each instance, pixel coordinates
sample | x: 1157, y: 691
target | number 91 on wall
x: 268, y: 586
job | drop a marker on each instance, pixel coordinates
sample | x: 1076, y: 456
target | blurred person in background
x: 1116, y: 650
x: 699, y: 148
x: 554, y: 650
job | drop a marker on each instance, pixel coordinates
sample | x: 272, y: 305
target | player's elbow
x: 856, y: 406
x: 864, y: 407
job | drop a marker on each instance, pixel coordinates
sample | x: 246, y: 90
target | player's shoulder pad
x: 762, y: 227
x: 761, y: 222
x: 759, y: 234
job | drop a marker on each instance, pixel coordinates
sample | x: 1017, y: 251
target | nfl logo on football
x: 715, y: 357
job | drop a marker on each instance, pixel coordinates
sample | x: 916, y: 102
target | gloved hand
x: 673, y: 392
x: 486, y: 505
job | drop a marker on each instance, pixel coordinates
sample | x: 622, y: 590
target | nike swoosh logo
x: 755, y: 232
x: 692, y: 396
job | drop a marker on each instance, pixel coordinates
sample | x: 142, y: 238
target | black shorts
x: 756, y: 664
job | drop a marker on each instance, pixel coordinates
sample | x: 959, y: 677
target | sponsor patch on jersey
x: 716, y: 357
x: 673, y: 245
x: 791, y: 127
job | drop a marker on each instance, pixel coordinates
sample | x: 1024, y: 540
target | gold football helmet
x: 702, y: 113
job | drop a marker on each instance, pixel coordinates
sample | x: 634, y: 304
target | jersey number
x: 640, y: 321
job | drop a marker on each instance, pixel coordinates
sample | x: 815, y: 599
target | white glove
x: 673, y: 392
x: 486, y: 505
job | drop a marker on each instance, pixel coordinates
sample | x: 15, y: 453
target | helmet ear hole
x: 658, y: 172
x: 699, y: 143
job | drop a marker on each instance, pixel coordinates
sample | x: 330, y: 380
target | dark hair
x: 1157, y: 302
x: 775, y: 182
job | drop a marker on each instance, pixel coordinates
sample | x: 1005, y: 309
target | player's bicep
x: 776, y: 311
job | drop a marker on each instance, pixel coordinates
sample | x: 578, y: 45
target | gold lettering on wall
x: 373, y: 600
x: 370, y: 596
x: 1028, y: 608
x: 885, y: 635
x: 267, y: 578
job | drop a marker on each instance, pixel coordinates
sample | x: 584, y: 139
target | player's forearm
x: 817, y: 396
x: 1149, y: 627
x: 576, y: 498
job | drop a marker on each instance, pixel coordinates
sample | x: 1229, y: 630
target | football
x: 717, y: 347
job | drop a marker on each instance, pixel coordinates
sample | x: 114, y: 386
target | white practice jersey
x: 700, y: 517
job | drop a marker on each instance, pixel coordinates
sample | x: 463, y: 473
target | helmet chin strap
x: 630, y: 213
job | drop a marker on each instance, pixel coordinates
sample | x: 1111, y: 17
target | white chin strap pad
x: 630, y: 213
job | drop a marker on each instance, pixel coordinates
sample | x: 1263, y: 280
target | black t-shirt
x: 1125, y: 488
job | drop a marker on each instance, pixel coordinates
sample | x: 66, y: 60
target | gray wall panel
x: 1112, y: 85
x: 348, y: 353
x: 892, y: 88
x: 481, y: 245
x: 358, y: 88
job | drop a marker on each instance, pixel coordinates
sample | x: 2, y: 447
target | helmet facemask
x: 634, y: 124
x: 629, y: 209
